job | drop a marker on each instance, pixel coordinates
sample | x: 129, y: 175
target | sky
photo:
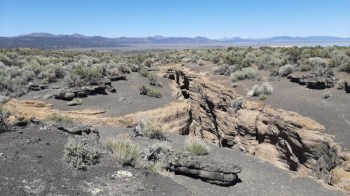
x: 186, y: 18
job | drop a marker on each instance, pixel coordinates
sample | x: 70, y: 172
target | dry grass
x: 196, y: 146
x: 127, y: 153
x: 79, y: 155
x: 340, y: 178
x: 152, y: 129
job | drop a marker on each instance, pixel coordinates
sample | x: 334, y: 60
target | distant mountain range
x: 51, y: 41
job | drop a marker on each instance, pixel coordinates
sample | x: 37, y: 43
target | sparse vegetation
x: 261, y: 90
x: 340, y: 84
x: 153, y: 81
x: 151, y: 92
x: 127, y: 153
x: 286, y: 70
x: 196, y: 146
x: 80, y: 155
x: 152, y: 129
x: 237, y: 103
x: 245, y: 73
x: 60, y: 118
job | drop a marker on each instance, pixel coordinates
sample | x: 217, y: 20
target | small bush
x: 152, y: 79
x: 317, y: 62
x: 127, y: 153
x: 88, y: 73
x: 144, y: 90
x: 243, y: 74
x: 124, y: 68
x: 286, y: 70
x: 196, y: 147
x: 262, y: 97
x: 340, y: 84
x: 152, y: 129
x: 200, y: 62
x: 224, y: 69
x: 305, y: 67
x: 264, y: 89
x: 154, y: 93
x: 60, y: 118
x: 237, y: 103
x: 143, y: 72
x: 79, y: 155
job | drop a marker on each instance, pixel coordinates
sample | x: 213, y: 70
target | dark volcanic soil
x: 257, y: 177
x: 32, y: 163
x: 127, y: 99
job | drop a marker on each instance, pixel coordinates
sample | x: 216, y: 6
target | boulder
x: 116, y: 77
x: 70, y: 94
x: 36, y: 87
x: 203, y: 168
x: 346, y: 87
x: 75, y: 129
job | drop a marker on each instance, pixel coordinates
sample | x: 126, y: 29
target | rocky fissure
x: 281, y: 137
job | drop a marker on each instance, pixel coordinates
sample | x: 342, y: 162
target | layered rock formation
x: 203, y: 168
x: 283, y: 138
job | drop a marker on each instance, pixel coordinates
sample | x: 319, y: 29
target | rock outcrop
x: 203, y: 168
x: 347, y: 87
x: 323, y: 79
x: 70, y: 94
x: 283, y: 138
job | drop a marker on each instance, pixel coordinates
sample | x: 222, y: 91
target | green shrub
x: 88, y: 73
x: 152, y: 129
x: 237, y: 103
x: 340, y: 84
x: 345, y: 67
x: 317, y: 62
x: 151, y: 92
x: 245, y: 73
x: 196, y: 146
x: 124, y: 68
x: 286, y: 70
x: 153, y: 81
x: 262, y: 97
x: 154, y: 93
x: 305, y: 67
x: 264, y: 89
x: 143, y: 72
x: 127, y: 153
x: 224, y: 69
x: 80, y: 155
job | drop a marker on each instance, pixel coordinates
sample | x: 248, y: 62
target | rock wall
x: 283, y: 138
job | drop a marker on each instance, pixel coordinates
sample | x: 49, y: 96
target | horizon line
x: 157, y: 35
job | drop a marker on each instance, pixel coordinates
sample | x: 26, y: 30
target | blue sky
x: 210, y: 18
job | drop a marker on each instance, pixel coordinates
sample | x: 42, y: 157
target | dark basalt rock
x: 70, y: 94
x: 116, y: 77
x: 203, y: 168
x: 75, y: 129
x: 346, y: 87
x: 36, y: 87
x: 321, y: 80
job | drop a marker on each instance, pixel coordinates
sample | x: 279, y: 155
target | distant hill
x: 51, y: 41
